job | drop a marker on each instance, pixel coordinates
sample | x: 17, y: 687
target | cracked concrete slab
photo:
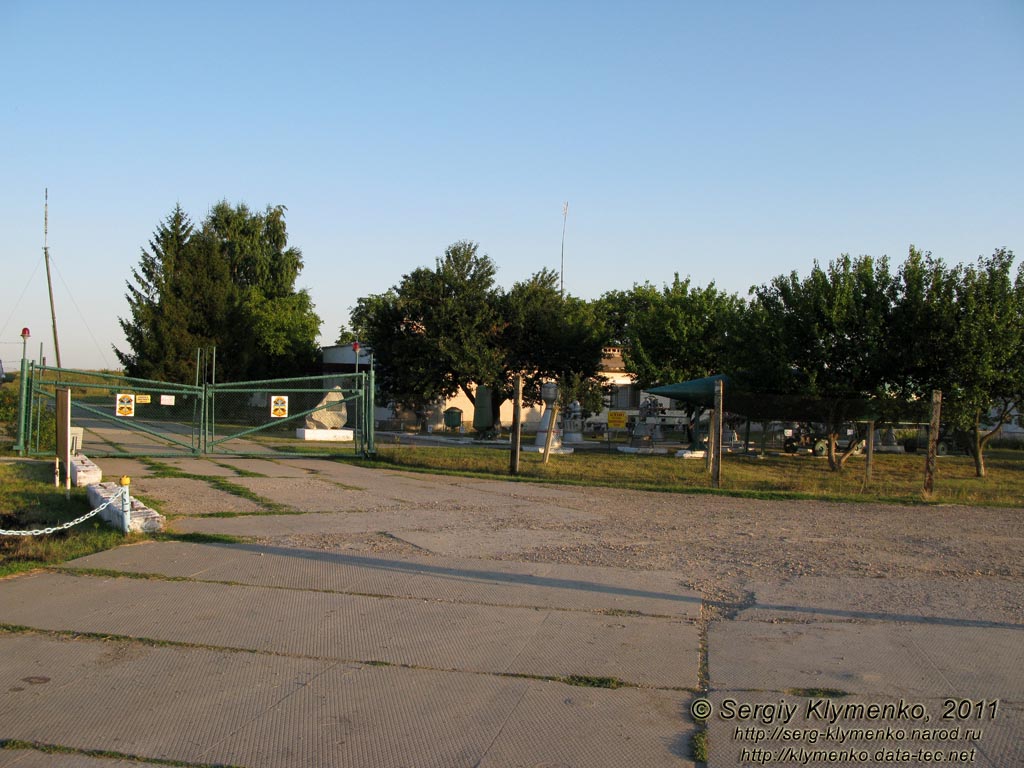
x: 207, y: 706
x: 536, y: 585
x: 483, y: 542
x: 975, y: 602
x: 807, y: 728
x: 922, y: 660
x: 469, y: 637
x: 185, y: 496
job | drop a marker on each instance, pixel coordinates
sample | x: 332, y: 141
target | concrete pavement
x: 295, y: 651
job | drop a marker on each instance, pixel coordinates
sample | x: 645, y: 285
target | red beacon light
x: 24, y: 333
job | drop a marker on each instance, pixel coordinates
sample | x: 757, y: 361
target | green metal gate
x: 123, y: 416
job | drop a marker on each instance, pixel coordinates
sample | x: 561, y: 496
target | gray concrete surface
x: 482, y: 582
x: 375, y: 628
x: 448, y: 635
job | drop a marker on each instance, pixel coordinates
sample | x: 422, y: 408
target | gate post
x: 933, y: 443
x: 126, y: 505
x: 22, y: 405
x: 371, y: 402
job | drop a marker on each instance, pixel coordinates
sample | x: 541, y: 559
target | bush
x: 8, y: 409
x: 1008, y: 443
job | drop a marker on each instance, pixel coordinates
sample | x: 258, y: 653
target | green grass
x: 57, y: 749
x: 699, y: 746
x: 267, y: 507
x: 817, y: 693
x: 895, y: 478
x: 29, y: 500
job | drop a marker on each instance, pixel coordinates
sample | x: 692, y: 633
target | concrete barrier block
x: 143, y: 519
x: 343, y: 435
x: 84, y: 472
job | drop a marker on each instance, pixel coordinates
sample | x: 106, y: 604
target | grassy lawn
x: 895, y: 478
x: 29, y: 500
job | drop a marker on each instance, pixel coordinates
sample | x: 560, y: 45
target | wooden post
x: 869, y: 448
x: 63, y: 439
x: 709, y: 443
x: 716, y: 456
x: 933, y: 443
x: 551, y: 431
x: 517, y: 423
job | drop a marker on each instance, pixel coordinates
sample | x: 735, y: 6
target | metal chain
x: 65, y: 526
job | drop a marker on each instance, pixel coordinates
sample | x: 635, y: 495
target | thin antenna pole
x: 561, y: 279
x: 49, y: 280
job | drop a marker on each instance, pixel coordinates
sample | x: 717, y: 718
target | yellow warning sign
x: 616, y: 419
x: 278, y: 406
x: 141, y: 399
x: 125, y: 405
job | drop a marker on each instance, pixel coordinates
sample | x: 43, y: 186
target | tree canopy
x: 453, y: 328
x: 673, y: 333
x: 830, y: 330
x: 850, y: 337
x: 961, y: 330
x: 230, y: 284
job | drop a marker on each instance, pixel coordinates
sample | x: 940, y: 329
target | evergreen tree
x: 229, y: 284
x: 157, y: 333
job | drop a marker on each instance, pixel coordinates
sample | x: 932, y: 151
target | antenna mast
x: 49, y: 281
x: 561, y: 279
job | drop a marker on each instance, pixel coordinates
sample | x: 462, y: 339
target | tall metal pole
x: 561, y: 279
x: 23, y: 403
x: 49, y: 281
x: 371, y: 445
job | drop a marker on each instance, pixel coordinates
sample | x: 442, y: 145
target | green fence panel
x: 125, y: 416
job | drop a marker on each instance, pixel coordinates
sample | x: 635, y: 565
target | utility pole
x: 561, y: 279
x: 49, y: 281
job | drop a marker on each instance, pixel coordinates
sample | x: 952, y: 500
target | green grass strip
x: 107, y: 754
x: 267, y: 507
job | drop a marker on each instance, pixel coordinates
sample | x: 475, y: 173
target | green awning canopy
x: 770, y: 406
x: 699, y: 392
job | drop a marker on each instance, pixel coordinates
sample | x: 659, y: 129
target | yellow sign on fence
x: 616, y: 419
x: 279, y: 406
x: 125, y: 404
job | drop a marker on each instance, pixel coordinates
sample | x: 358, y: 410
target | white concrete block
x: 84, y: 472
x: 326, y: 435
x: 143, y: 519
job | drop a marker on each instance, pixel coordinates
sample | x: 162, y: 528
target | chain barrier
x: 43, y: 531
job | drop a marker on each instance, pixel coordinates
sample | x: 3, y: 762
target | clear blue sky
x: 730, y: 141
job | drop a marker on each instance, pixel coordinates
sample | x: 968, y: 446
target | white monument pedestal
x: 326, y: 435
x: 559, y: 451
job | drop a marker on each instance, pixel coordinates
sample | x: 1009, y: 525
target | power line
x: 14, y: 309
x: 49, y: 282
x: 561, y: 279
x: 81, y: 315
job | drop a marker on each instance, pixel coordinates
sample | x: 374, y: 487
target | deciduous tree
x: 831, y: 330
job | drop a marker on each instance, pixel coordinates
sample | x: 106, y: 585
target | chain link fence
x: 123, y: 416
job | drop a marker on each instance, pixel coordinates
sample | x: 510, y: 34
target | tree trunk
x: 836, y: 460
x: 833, y: 461
x: 979, y: 441
x: 497, y: 399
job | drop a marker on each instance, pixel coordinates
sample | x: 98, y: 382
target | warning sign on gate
x: 278, y: 406
x: 616, y: 419
x: 125, y: 405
